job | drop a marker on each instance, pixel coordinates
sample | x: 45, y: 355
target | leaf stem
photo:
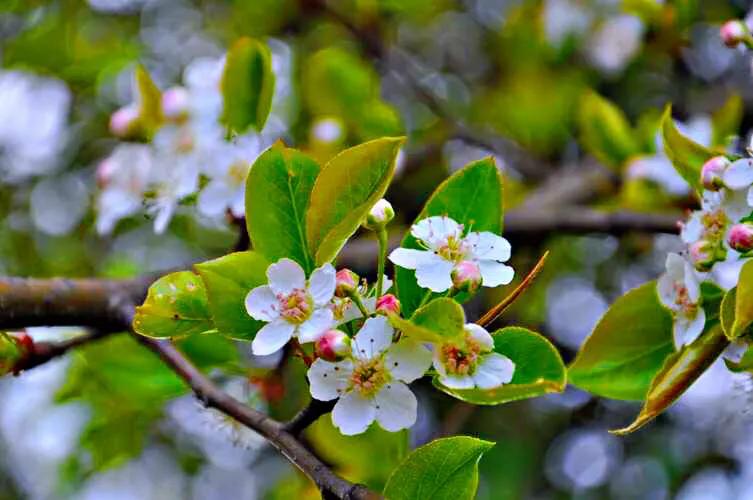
x: 425, y: 299
x: 382, y: 258
x: 356, y: 298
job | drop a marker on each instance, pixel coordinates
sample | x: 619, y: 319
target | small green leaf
x: 538, y: 369
x: 228, y: 280
x: 743, y: 301
x: 678, y: 374
x: 439, y: 320
x: 10, y: 353
x: 727, y: 312
x: 686, y: 155
x: 175, y: 306
x: 472, y: 196
x: 627, y: 347
x: 445, y: 469
x: 149, y: 100
x: 278, y: 189
x: 346, y: 189
x: 247, y: 85
x: 726, y: 120
x: 605, y: 131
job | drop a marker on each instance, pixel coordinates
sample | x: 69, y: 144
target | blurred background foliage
x: 556, y: 90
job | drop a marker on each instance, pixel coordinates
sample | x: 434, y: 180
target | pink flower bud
x: 702, y: 255
x: 740, y: 237
x: 711, y: 173
x: 124, y: 121
x: 387, y: 304
x: 175, y: 103
x: 332, y: 345
x: 105, y: 172
x: 346, y: 282
x: 733, y: 32
x: 466, y: 276
x: 379, y: 216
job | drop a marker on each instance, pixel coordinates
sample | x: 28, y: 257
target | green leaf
x: 175, y: 306
x: 445, y: 469
x: 538, y: 369
x: 743, y: 301
x: 726, y: 120
x: 247, y: 85
x: 439, y: 320
x: 346, y: 189
x: 627, y: 347
x: 727, y: 312
x: 686, y: 155
x: 278, y: 189
x: 678, y: 374
x: 472, y: 197
x: 149, y: 99
x: 228, y: 280
x: 745, y: 364
x: 605, y: 131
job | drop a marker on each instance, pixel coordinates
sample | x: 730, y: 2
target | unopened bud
x: 712, y: 171
x: 175, y: 103
x: 105, y: 172
x: 346, y: 282
x: 379, y: 216
x: 466, y: 277
x: 387, y: 304
x: 733, y: 32
x: 740, y: 237
x: 702, y: 255
x: 332, y: 345
x: 124, y: 122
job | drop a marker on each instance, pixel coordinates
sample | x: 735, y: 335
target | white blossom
x: 680, y: 291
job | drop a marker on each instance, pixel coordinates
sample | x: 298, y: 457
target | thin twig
x: 42, y: 352
x: 308, y: 415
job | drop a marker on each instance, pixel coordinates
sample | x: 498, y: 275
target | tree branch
x: 42, y: 352
x: 308, y: 416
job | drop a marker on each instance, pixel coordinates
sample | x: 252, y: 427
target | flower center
x: 715, y: 223
x: 296, y: 307
x: 236, y: 174
x: 682, y: 300
x: 454, y: 249
x: 369, y: 376
x: 460, y: 360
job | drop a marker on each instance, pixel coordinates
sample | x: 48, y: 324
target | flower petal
x: 493, y: 370
x: 489, y: 246
x: 435, y: 231
x: 480, y: 335
x: 434, y: 274
x: 396, y: 407
x: 436, y: 362
x: 665, y: 287
x: 495, y: 273
x: 328, y: 380
x: 374, y: 337
x: 408, y: 360
x: 457, y: 381
x: 409, y: 258
x: 286, y: 275
x: 272, y: 337
x: 214, y: 199
x: 739, y: 174
x: 687, y: 329
x: 320, y: 321
x: 693, y: 229
x: 261, y: 304
x: 353, y: 414
x: 322, y: 284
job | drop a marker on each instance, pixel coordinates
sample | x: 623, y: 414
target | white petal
x: 408, y: 360
x: 436, y: 361
x: 692, y: 283
x: 164, y: 214
x: 238, y: 203
x: 272, y: 337
x: 734, y: 352
x: 214, y: 199
x: 665, y: 287
x: 286, y: 275
x: 457, y: 381
x: 693, y: 229
x: 434, y: 231
x: 353, y: 414
x: 494, y: 273
x: 409, y: 258
x: 489, y: 246
x: 328, y: 380
x: 396, y: 407
x: 686, y: 329
x: 386, y: 283
x: 480, y: 335
x: 749, y: 197
x: 435, y: 274
x: 739, y: 174
x: 675, y: 265
x: 322, y: 284
x: 374, y: 337
x: 261, y: 304
x: 493, y: 370
x: 320, y: 321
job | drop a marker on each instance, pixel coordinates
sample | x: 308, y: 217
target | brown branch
x: 308, y: 415
x: 584, y: 220
x: 42, y: 352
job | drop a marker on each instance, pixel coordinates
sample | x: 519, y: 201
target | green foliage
x: 247, y: 85
x: 175, y: 306
x: 726, y: 120
x: 686, y: 155
x: 150, y: 101
x: 538, y: 369
x: 278, y: 189
x: 727, y: 312
x: 228, y: 280
x: 627, y: 347
x: 10, y: 353
x: 605, y: 131
x: 440, y: 320
x: 743, y: 301
x: 346, y: 189
x: 472, y: 196
x: 445, y: 469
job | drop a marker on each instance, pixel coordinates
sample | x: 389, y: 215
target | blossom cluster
x: 359, y: 358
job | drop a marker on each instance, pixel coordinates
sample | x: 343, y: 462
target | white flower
x: 447, y: 247
x: 680, y: 291
x: 292, y: 306
x: 123, y: 177
x: 613, y: 45
x: 739, y: 177
x: 371, y: 385
x: 471, y: 362
x: 345, y: 310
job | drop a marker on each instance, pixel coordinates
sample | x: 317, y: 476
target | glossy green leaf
x: 627, y: 348
x: 445, y: 469
x: 743, y: 301
x: 727, y: 312
x: 726, y: 120
x: 278, y: 189
x: 175, y: 306
x: 605, y: 131
x: 686, y: 155
x: 228, y: 280
x: 439, y: 320
x: 538, y: 369
x: 247, y: 85
x: 149, y: 100
x: 678, y: 374
x: 346, y: 189
x: 472, y: 196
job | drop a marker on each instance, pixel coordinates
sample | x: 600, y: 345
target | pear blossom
x: 291, y: 305
x: 379, y: 215
x: 332, y: 344
x: 471, y: 362
x: 345, y: 310
x: 371, y: 383
x: 680, y: 291
x: 739, y: 177
x: 740, y: 237
x: 447, y: 247
x: 733, y: 32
